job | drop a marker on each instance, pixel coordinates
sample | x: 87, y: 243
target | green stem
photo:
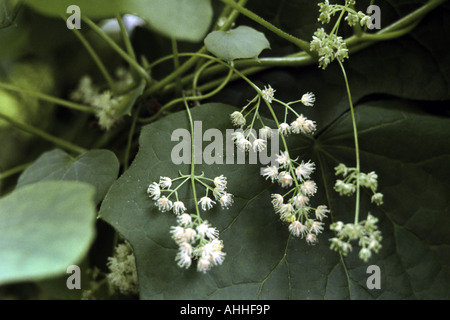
x: 194, y: 191
x: 133, y: 63
x: 125, y: 37
x: 96, y: 58
x: 48, y: 98
x: 130, y: 138
x: 10, y: 172
x: 176, y: 65
x: 38, y: 132
x: 355, y: 135
x: 298, y: 42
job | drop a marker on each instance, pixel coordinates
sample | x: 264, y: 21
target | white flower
x: 154, y: 191
x: 183, y: 260
x: 286, y: 211
x: 277, y: 200
x: 300, y: 201
x: 186, y: 248
x: 308, y: 99
x: 220, y: 181
x: 188, y: 235
x: 316, y: 227
x: 218, y: 192
x: 265, y: 133
x: 268, y: 93
x: 165, y: 182
x: 243, y: 144
x: 184, y: 220
x: 283, y: 158
x: 270, y: 173
x: 178, y: 207
x: 297, y: 229
x: 303, y: 125
x: 164, y: 204
x: 237, y: 119
x: 237, y: 136
x: 177, y: 233
x: 304, y: 170
x: 212, y: 233
x: 311, y: 238
x: 202, y: 228
x: 308, y: 187
x: 206, y: 203
x: 226, y: 200
x: 122, y: 266
x: 285, y: 179
x: 259, y: 145
x: 284, y: 128
x: 321, y: 212
x: 203, y: 264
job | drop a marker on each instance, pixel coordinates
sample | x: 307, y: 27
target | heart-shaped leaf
x: 45, y: 228
x: 240, y: 43
x: 97, y: 167
x: 263, y: 261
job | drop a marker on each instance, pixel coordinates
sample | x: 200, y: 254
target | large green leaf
x: 263, y: 261
x: 97, y: 167
x: 44, y: 228
x: 92, y: 9
x: 181, y: 19
x: 240, y: 43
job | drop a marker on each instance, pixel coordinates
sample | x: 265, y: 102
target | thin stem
x: 125, y: 37
x: 298, y: 42
x: 10, y: 172
x: 130, y: 138
x: 133, y: 63
x: 48, y: 98
x: 38, y: 132
x: 194, y: 191
x: 355, y: 134
x: 96, y: 58
x: 176, y: 65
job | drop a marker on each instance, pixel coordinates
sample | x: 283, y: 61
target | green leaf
x: 263, y: 261
x: 240, y: 43
x: 44, y: 228
x: 92, y: 9
x: 97, y: 167
x: 8, y: 12
x: 181, y: 19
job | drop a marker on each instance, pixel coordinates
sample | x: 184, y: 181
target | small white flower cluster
x: 122, y: 266
x: 365, y: 231
x: 105, y: 104
x: 348, y: 185
x: 296, y: 211
x: 328, y: 10
x: 196, y: 238
x: 300, y: 125
x: 329, y: 47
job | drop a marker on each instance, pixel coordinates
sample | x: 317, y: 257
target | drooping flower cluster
x: 247, y: 139
x: 352, y: 17
x: 348, y: 185
x: 304, y: 220
x: 332, y: 47
x: 122, y: 266
x: 329, y: 47
x: 195, y: 237
x: 365, y: 231
x: 105, y: 103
